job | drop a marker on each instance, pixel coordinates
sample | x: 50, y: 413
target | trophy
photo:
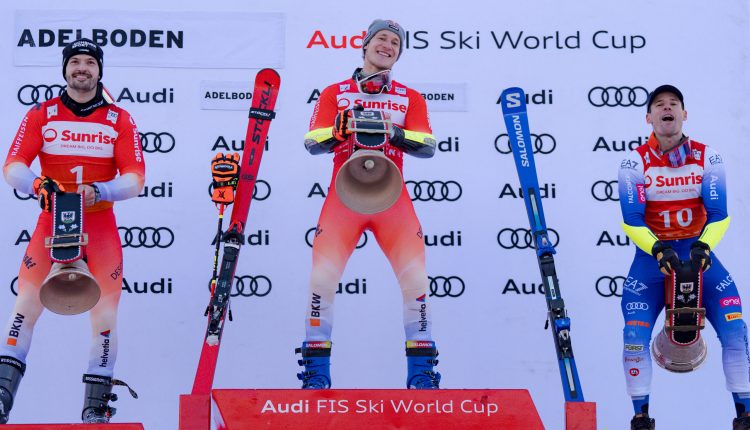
x: 369, y: 182
x: 69, y: 288
x: 679, y: 346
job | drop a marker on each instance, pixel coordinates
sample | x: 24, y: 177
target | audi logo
x: 32, y: 94
x: 311, y: 233
x: 522, y: 238
x: 14, y: 286
x: 261, y: 190
x: 610, y: 286
x: 436, y: 191
x: 23, y: 196
x: 605, y: 190
x: 636, y: 306
x: 446, y: 286
x: 146, y: 237
x: 162, y: 142
x: 618, y: 96
x: 248, y: 286
x: 543, y: 143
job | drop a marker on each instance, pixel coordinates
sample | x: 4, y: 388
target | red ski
x: 261, y: 113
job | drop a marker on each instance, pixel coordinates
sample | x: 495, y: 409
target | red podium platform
x: 129, y: 426
x: 354, y: 409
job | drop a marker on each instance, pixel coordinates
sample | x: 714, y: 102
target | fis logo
x: 421, y: 298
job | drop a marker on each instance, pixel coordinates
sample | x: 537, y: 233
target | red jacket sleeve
x: 28, y: 141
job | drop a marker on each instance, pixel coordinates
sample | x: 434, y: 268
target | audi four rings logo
x: 14, y: 286
x: 610, y: 286
x: 310, y: 236
x: 446, y: 286
x: 522, y: 238
x: 31, y: 94
x: 605, y: 190
x: 162, y: 142
x: 23, y: 196
x: 636, y: 306
x: 618, y: 96
x: 436, y: 191
x: 543, y: 143
x: 248, y: 286
x: 146, y: 237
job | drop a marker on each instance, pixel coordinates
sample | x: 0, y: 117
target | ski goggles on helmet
x: 679, y: 155
x: 375, y: 83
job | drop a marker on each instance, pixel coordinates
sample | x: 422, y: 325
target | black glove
x: 667, y: 258
x: 341, y: 123
x: 700, y: 255
x: 44, y: 187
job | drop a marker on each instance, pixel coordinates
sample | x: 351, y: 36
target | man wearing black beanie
x: 85, y: 145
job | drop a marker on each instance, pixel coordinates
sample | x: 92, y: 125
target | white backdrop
x: 490, y: 335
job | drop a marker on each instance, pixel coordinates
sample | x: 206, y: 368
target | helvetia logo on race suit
x: 422, y: 312
x: 105, y: 348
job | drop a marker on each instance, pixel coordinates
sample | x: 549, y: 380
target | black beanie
x: 83, y: 46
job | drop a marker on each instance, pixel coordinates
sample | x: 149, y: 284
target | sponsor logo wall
x: 186, y: 78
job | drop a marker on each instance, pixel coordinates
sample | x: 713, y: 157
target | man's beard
x: 84, y: 86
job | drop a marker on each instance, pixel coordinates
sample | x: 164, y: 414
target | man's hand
x: 225, y: 170
x: 700, y: 255
x: 666, y: 256
x: 90, y: 195
x: 44, y: 187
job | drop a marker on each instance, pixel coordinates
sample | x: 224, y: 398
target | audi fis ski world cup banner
x: 185, y: 73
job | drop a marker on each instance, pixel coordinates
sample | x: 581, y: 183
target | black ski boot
x: 98, y: 393
x: 642, y: 422
x: 741, y: 423
x: 11, y: 372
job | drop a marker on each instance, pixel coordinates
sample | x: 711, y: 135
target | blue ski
x: 513, y: 102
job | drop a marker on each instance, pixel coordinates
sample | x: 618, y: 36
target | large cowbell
x: 369, y: 182
x: 69, y: 288
x: 679, y: 346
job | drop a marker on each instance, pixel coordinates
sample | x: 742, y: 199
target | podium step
x: 123, y: 426
x: 354, y: 409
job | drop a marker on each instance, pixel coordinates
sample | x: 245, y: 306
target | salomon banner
x: 184, y: 72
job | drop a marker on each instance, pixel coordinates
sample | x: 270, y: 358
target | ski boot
x: 316, y: 357
x: 11, y: 372
x: 741, y: 423
x: 420, y: 358
x: 98, y: 393
x: 642, y: 422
